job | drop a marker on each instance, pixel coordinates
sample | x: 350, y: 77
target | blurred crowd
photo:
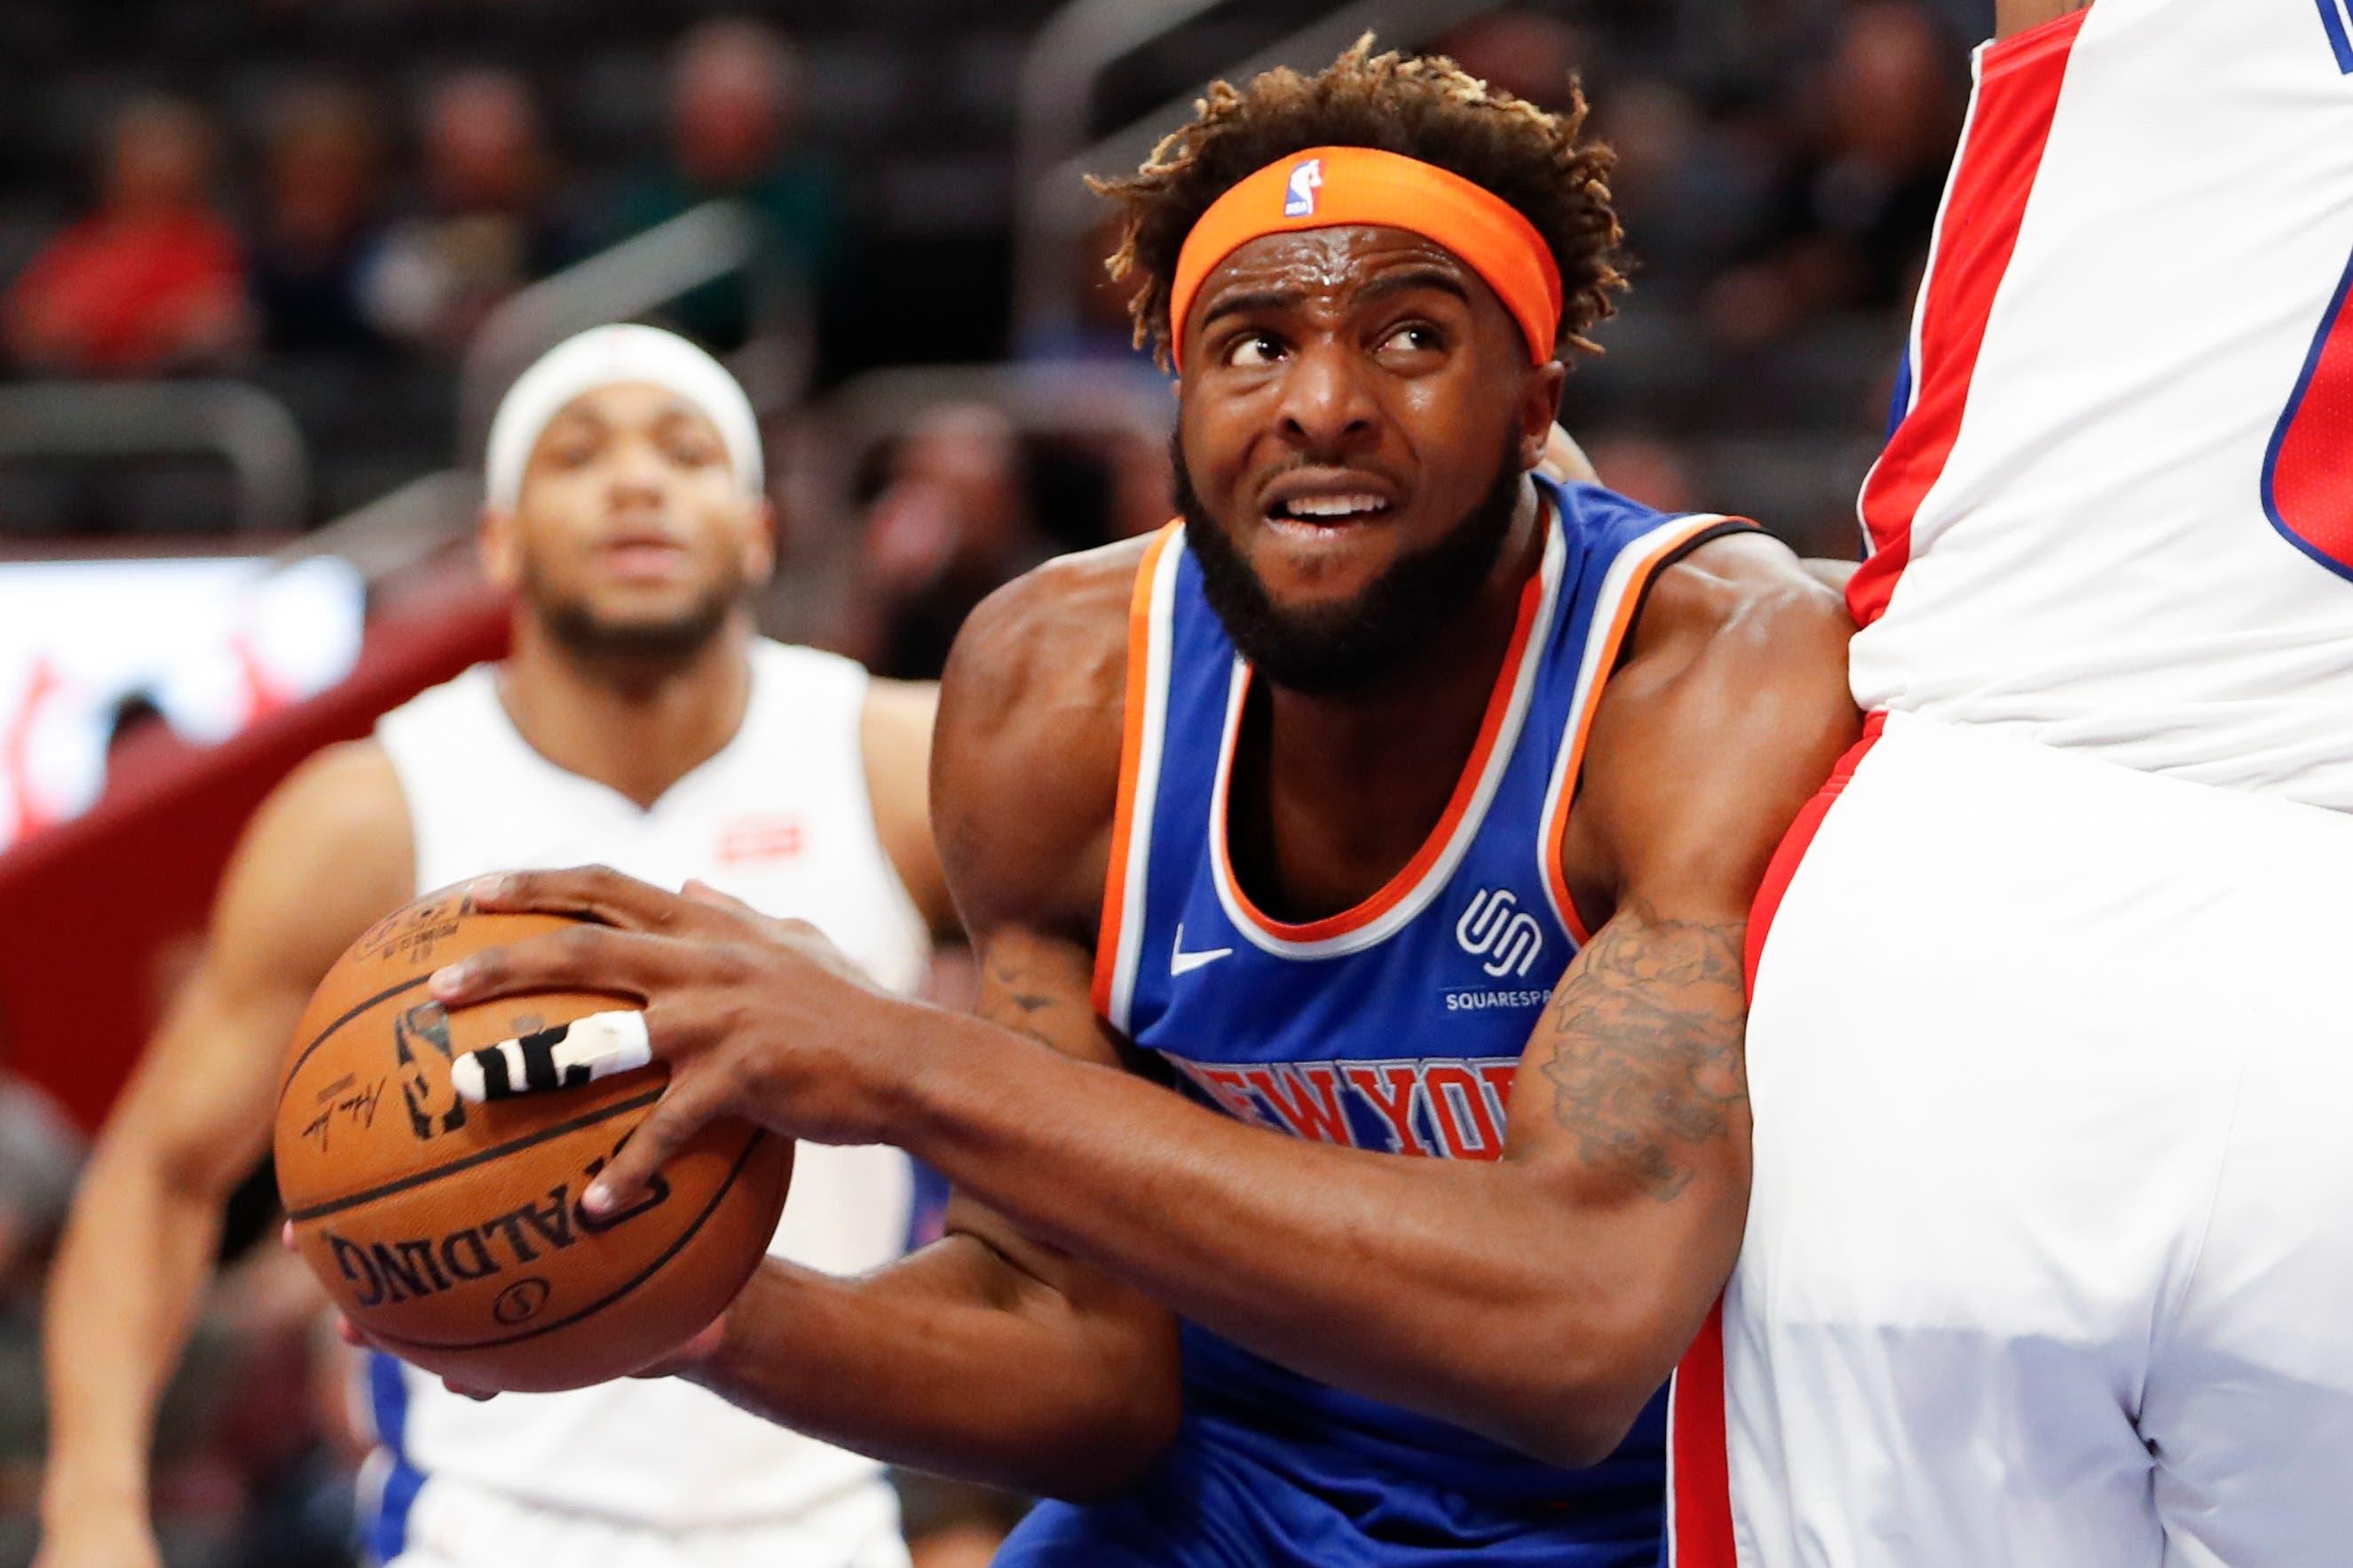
x: 343, y: 222
x: 1779, y: 164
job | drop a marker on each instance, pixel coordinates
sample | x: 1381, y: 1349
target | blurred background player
x: 636, y: 720
x: 2047, y: 1256
x: 1394, y: 785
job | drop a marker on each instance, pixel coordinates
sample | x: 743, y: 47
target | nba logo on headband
x: 1299, y: 196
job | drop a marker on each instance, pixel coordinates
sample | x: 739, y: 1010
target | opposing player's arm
x: 895, y: 734
x: 2016, y: 15
x: 326, y: 853
x: 990, y: 1354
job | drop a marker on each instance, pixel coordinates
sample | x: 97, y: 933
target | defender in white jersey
x: 2046, y: 1260
x: 638, y: 723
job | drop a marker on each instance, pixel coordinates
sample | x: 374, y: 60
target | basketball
x: 453, y: 1234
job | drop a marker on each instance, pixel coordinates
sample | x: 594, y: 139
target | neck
x: 1353, y: 784
x: 633, y: 724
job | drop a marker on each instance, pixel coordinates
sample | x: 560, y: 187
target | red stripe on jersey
x: 1699, y: 1462
x: 1699, y: 1479
x: 1783, y: 866
x: 1976, y: 235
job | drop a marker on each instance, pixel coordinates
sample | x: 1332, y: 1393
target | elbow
x: 1582, y: 1388
x: 1105, y: 1449
x: 1577, y: 1429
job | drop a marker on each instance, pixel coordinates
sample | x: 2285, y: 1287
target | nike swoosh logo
x: 1183, y: 962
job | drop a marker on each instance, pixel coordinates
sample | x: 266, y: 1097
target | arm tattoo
x: 1644, y: 1055
x: 1011, y: 1000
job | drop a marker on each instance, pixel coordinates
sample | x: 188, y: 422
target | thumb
x: 688, y: 1103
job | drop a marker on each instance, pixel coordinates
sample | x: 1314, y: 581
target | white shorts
x: 2050, y: 1256
x: 454, y: 1525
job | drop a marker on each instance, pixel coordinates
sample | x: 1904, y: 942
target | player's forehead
x: 1335, y: 266
x: 624, y: 406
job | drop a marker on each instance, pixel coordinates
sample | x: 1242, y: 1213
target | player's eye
x: 1254, y: 349
x: 1413, y: 338
x: 690, y: 453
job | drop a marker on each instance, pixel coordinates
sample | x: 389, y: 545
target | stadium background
x: 266, y: 266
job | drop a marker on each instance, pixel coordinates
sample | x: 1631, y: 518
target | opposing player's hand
x: 757, y: 1018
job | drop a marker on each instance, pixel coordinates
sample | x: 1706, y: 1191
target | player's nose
x: 1325, y: 405
x: 635, y: 472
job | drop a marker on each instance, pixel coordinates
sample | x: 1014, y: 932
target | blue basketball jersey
x: 1393, y: 1026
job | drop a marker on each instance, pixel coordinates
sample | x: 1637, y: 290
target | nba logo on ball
x: 1299, y: 196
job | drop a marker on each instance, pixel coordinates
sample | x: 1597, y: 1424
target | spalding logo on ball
x: 453, y: 1234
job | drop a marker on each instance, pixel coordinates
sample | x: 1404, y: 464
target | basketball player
x: 1304, y: 806
x: 2048, y: 1259
x: 637, y: 720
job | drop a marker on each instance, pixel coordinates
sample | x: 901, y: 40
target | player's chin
x: 1307, y: 568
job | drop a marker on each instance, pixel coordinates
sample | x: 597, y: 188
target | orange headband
x: 1333, y: 187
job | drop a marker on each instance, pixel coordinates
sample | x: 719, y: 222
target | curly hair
x: 1422, y: 106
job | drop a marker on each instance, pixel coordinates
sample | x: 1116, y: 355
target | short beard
x: 1345, y: 647
x: 579, y: 631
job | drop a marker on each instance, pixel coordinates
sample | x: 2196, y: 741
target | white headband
x: 611, y: 356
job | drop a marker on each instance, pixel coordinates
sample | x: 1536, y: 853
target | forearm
x: 128, y: 1277
x: 953, y: 1360
x: 1271, y: 1241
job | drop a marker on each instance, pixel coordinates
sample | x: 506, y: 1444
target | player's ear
x: 1539, y: 407
x: 496, y: 546
x: 760, y: 545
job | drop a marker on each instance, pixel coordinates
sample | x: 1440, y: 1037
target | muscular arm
x: 2016, y: 15
x: 989, y: 1354
x: 1541, y: 1299
x: 194, y: 1119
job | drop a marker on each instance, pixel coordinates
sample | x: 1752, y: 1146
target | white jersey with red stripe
x: 2115, y: 514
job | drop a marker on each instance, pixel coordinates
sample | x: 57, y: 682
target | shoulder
x: 1730, y: 710
x: 1025, y: 768
x: 1736, y: 593
x: 328, y: 851
x: 1062, y: 625
x: 338, y: 795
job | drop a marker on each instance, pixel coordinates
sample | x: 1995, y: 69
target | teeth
x: 1334, y: 506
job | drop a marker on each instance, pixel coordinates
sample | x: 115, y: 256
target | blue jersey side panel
x: 1399, y: 1034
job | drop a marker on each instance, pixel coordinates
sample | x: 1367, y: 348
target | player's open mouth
x: 1312, y: 505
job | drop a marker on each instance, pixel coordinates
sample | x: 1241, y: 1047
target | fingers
x: 357, y: 1338
x: 568, y: 1055
x: 587, y: 893
x: 698, y: 891
x: 690, y: 1102
x: 583, y: 958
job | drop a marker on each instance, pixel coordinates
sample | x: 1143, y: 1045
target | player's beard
x: 1337, y: 648
x: 576, y: 627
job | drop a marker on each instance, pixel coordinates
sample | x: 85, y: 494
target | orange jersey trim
x: 1664, y: 552
x: 1112, y: 925
x: 1466, y: 788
